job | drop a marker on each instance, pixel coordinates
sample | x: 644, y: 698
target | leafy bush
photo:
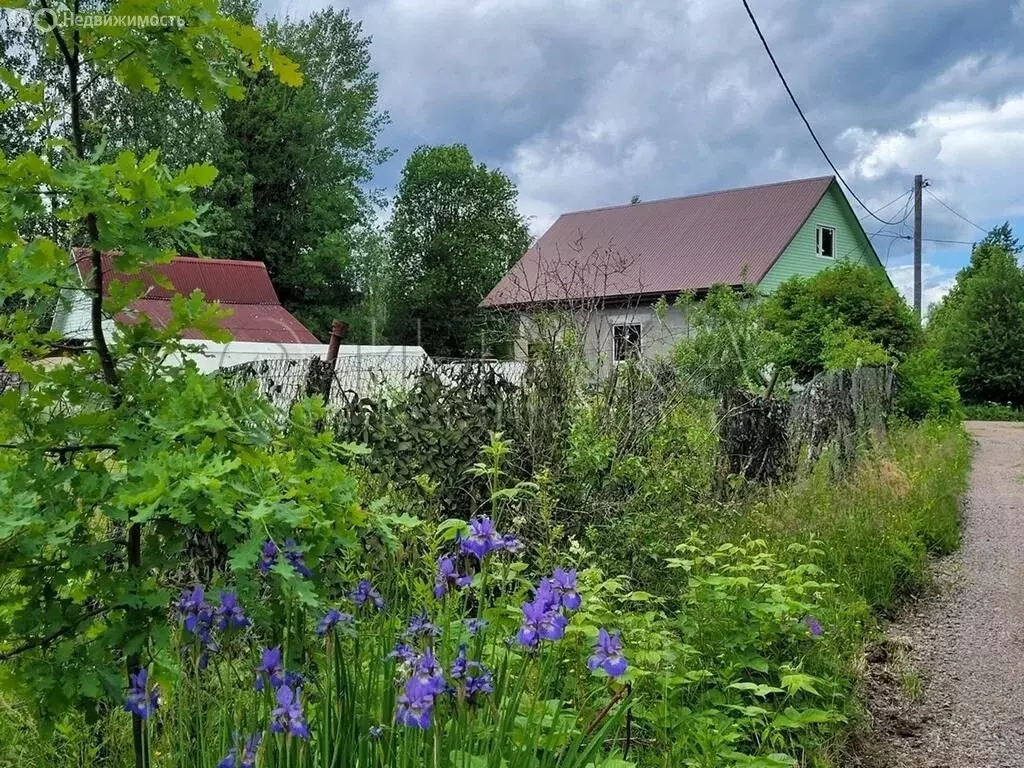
x: 978, y: 328
x: 204, y: 471
x: 802, y: 310
x: 927, y: 389
x: 727, y: 346
x: 432, y: 429
x: 757, y: 680
x: 993, y: 412
x: 844, y: 348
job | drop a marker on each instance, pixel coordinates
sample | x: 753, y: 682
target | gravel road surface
x: 948, y: 688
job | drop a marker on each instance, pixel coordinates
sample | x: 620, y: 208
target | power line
x: 803, y: 117
x: 908, y: 194
x: 891, y: 202
x: 907, y: 211
x: 954, y: 242
x: 956, y: 213
x: 926, y: 239
x: 888, y: 251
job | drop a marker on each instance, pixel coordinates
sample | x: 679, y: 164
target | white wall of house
x: 660, y: 329
x: 73, y: 316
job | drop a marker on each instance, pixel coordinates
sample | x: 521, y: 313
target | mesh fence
x: 355, y: 377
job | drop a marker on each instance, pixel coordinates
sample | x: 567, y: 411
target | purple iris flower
x: 271, y: 668
x: 482, y: 540
x: 415, y: 704
x: 546, y: 597
x: 365, y: 593
x: 563, y: 584
x: 477, y: 678
x: 248, y: 757
x: 229, y: 613
x: 474, y: 626
x: 813, y: 626
x: 458, y: 668
x: 429, y: 672
x: 511, y: 544
x: 404, y: 653
x: 376, y: 731
x: 268, y: 556
x: 196, y: 614
x: 331, y: 619
x: 294, y: 556
x: 288, y: 714
x: 141, y: 699
x: 421, y: 626
x: 541, y: 621
x: 448, y: 577
x: 197, y: 619
x: 479, y: 682
x: 608, y: 654
x: 294, y: 680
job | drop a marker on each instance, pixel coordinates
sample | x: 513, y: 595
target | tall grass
x: 876, y: 528
x: 993, y: 412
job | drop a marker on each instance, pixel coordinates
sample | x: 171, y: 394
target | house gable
x: 800, y: 257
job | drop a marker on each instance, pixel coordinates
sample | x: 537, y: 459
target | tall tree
x: 978, y: 328
x: 296, y: 162
x: 1003, y: 237
x: 91, y: 439
x: 454, y: 232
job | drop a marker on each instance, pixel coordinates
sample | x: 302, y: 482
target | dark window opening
x: 626, y: 344
x: 827, y: 242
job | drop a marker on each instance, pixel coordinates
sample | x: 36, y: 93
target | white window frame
x: 639, y: 340
x: 817, y: 242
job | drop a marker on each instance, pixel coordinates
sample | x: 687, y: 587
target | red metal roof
x: 242, y: 287
x: 663, y: 246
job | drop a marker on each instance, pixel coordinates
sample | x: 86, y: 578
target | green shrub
x: 927, y: 388
x: 993, y: 412
x: 727, y: 346
x: 802, y: 310
x: 877, y: 527
x: 844, y: 348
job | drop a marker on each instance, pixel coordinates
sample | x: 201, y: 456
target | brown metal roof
x: 663, y: 246
x: 243, y: 287
x: 225, y: 280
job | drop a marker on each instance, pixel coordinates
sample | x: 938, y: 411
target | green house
x: 609, y: 266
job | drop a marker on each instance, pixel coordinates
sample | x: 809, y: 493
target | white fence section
x: 370, y: 372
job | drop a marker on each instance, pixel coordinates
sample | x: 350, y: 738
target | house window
x: 827, y: 242
x: 626, y: 343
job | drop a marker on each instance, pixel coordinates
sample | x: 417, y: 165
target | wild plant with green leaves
x: 122, y: 474
x: 467, y: 664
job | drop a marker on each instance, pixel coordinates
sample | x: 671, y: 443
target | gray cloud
x: 587, y: 102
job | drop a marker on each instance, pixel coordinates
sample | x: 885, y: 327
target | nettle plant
x: 472, y: 667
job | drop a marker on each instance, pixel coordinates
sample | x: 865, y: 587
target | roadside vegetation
x: 191, y: 581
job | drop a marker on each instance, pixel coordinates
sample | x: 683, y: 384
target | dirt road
x: 955, y: 665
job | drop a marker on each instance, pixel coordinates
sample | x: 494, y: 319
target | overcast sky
x: 588, y: 102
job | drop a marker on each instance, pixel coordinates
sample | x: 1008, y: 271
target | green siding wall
x: 800, y: 258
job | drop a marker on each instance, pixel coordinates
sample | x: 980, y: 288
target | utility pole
x: 918, y: 186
